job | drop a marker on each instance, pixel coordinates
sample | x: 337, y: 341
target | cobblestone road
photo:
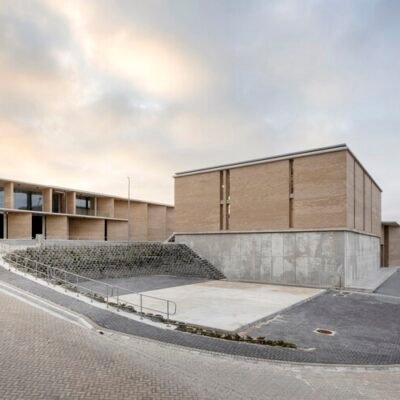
x: 44, y: 357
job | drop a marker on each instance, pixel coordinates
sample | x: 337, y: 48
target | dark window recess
x: 25, y: 200
x: 1, y: 197
x: 105, y: 230
x: 1, y: 226
x: 227, y: 198
x: 83, y: 205
x: 58, y: 199
x: 291, y: 193
x: 221, y: 185
x: 37, y: 225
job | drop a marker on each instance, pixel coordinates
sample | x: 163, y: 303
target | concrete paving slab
x: 373, y: 281
x: 227, y: 305
x: 391, y: 287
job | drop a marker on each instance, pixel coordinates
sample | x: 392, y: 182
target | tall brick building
x: 311, y: 217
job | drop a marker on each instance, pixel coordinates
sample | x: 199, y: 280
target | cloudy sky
x: 93, y: 91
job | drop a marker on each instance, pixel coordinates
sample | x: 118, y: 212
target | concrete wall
x: 86, y: 228
x: 19, y: 225
x: 57, y: 227
x: 299, y: 258
x: 362, y: 256
x: 117, y: 230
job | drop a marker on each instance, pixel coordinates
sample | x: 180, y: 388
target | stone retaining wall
x: 124, y: 260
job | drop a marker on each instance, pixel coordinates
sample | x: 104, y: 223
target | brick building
x: 27, y: 210
x: 311, y: 217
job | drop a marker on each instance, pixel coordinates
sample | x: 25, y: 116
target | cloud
x: 94, y: 91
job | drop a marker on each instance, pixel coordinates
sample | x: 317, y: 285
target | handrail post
x: 36, y: 265
x: 167, y: 312
x: 77, y: 289
x: 117, y: 299
x: 65, y: 281
x: 107, y: 296
x: 141, y: 306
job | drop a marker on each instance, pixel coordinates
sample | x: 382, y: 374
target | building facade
x: 311, y: 217
x: 390, y: 244
x: 27, y: 210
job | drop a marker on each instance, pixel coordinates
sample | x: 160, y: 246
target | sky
x: 94, y: 91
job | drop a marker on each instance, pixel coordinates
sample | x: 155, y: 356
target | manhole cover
x: 324, y: 331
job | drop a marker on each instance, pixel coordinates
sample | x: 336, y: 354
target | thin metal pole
x: 129, y: 207
x: 141, y: 307
x: 167, y: 312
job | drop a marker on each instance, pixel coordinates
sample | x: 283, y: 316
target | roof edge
x: 286, y: 156
x: 326, y: 149
x: 84, y: 192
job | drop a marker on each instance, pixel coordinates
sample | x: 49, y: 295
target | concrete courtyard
x: 223, y: 304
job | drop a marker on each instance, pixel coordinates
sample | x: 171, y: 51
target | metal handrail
x: 112, y: 291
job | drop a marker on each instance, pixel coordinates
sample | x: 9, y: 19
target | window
x: 58, y: 202
x: 83, y: 205
x: 25, y: 200
x: 36, y: 201
x: 1, y: 197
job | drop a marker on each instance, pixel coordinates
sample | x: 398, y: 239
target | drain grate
x: 342, y: 294
x: 324, y: 331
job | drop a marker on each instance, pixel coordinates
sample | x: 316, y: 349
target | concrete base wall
x: 318, y: 258
x: 362, y: 257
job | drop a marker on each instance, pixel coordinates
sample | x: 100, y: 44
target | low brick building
x: 27, y: 210
x: 390, y: 244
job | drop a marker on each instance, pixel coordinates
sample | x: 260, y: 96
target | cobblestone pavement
x: 391, y: 287
x: 366, y: 330
x: 44, y: 357
x: 366, y: 327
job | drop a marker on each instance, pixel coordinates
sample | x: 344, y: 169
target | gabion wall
x: 124, y: 260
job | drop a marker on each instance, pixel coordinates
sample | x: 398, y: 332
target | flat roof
x: 390, y: 223
x: 36, y: 186
x: 286, y: 156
